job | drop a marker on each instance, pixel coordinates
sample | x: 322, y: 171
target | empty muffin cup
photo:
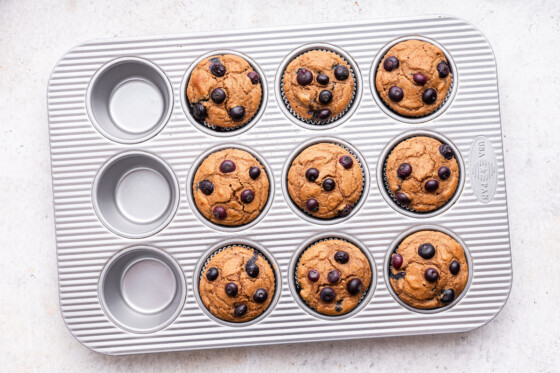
x: 129, y: 100
x: 135, y: 194
x: 142, y: 289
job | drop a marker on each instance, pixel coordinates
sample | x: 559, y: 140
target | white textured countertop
x: 524, y: 336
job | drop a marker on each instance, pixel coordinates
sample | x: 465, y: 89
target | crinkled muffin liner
x: 261, y: 255
x: 298, y: 287
x: 316, y: 122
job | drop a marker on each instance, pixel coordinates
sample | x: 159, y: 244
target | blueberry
x: 313, y: 275
x: 218, y: 95
x: 429, y: 96
x: 341, y: 72
x: 426, y: 250
x: 328, y: 184
x: 252, y: 269
x: 397, y: 260
x: 447, y: 296
x: 247, y: 196
x: 323, y: 79
x: 231, y: 289
x: 206, y: 187
x: 237, y: 113
x: 217, y: 69
x: 325, y: 97
x: 327, y: 294
x: 199, y: 111
x: 227, y: 166
x: 304, y: 76
x: 240, y: 310
x: 454, y: 267
x: 396, y: 94
x: 333, y: 276
x: 390, y: 63
x: 431, y: 185
x: 444, y: 173
x: 354, y: 286
x: 219, y: 213
x: 402, y: 198
x: 341, y: 257
x: 254, y: 77
x: 212, y: 273
x: 443, y: 69
x: 346, y: 161
x: 312, y: 174
x: 323, y: 114
x: 431, y: 275
x: 419, y: 78
x: 312, y: 205
x: 446, y: 151
x: 260, y: 296
x: 346, y: 210
x: 404, y: 170
x: 254, y: 172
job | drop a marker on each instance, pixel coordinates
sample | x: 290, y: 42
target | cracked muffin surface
x: 224, y: 91
x: 419, y: 175
x: 232, y: 289
x: 420, y: 72
x: 325, y: 180
x: 230, y: 187
x: 333, y: 275
x: 412, y: 273
x: 309, y: 75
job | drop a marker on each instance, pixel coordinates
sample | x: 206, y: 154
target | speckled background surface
x: 523, y: 337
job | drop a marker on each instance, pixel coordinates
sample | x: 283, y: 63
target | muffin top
x: 422, y: 173
x: 413, y: 78
x: 325, y: 180
x: 428, y: 270
x: 318, y: 85
x: 237, y: 285
x: 224, y: 91
x: 230, y: 187
x: 333, y: 275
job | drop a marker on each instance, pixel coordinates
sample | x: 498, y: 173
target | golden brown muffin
x: 237, y: 285
x: 230, y: 187
x: 318, y: 85
x: 325, y: 180
x: 421, y: 74
x: 224, y: 91
x: 420, y: 176
x: 332, y: 276
x: 429, y: 270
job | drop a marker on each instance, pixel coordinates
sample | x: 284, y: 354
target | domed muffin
x: 325, y: 180
x: 237, y: 285
x: 318, y: 85
x: 413, y: 78
x: 428, y: 270
x: 230, y: 187
x: 422, y: 173
x: 224, y: 91
x: 332, y: 276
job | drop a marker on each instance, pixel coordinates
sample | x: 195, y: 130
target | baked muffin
x: 318, y: 85
x: 413, y: 78
x: 428, y: 270
x: 230, y: 187
x: 422, y: 173
x: 332, y: 276
x: 224, y: 91
x: 237, y: 284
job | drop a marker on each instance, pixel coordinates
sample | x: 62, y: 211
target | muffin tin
x: 130, y: 243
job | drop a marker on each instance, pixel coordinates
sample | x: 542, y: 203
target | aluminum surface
x: 85, y: 245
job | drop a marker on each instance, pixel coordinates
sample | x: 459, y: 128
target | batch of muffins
x: 427, y: 270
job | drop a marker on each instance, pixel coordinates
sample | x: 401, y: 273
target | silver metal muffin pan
x: 130, y: 242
